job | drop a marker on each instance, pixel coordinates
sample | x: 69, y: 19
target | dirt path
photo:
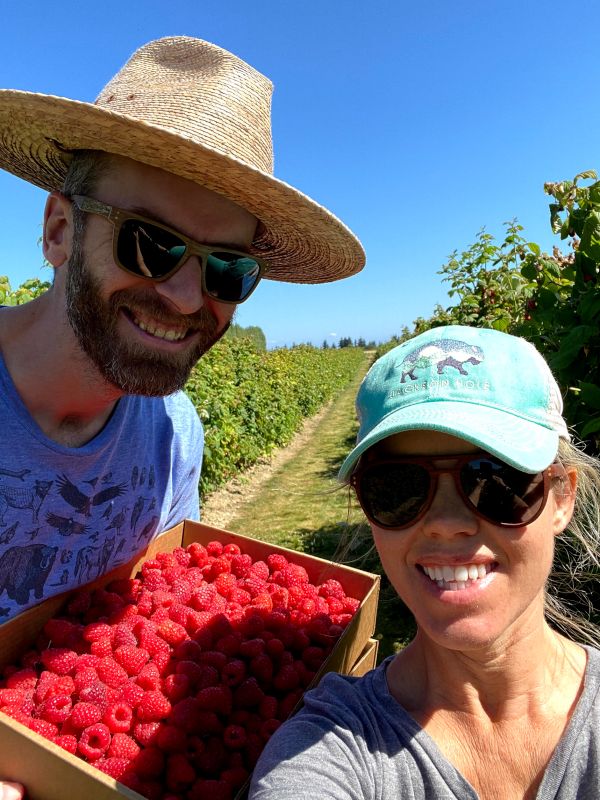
x: 224, y: 504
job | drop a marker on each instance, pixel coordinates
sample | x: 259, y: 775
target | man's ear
x: 564, y: 491
x: 58, y: 229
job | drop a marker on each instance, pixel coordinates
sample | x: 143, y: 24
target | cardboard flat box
x: 50, y: 773
x: 367, y: 659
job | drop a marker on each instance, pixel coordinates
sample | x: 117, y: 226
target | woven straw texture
x: 198, y: 111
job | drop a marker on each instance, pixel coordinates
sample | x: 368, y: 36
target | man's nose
x: 183, y: 290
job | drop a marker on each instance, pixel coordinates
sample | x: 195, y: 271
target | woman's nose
x: 448, y: 514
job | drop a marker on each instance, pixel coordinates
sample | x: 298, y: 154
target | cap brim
x: 522, y: 444
x: 301, y: 241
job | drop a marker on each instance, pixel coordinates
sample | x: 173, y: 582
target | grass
x: 303, y: 507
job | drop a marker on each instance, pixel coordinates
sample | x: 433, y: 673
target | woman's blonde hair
x: 575, y: 576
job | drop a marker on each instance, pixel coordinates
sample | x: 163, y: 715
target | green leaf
x: 590, y: 236
x: 535, y: 248
x: 593, y: 426
x: 587, y: 174
x: 590, y: 394
x: 555, y: 220
x: 571, y: 346
x: 589, y: 306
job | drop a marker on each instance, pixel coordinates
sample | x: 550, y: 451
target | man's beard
x: 129, y: 366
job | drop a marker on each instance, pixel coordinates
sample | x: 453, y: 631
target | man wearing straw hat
x: 163, y: 215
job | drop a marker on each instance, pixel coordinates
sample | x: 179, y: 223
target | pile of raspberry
x: 173, y: 681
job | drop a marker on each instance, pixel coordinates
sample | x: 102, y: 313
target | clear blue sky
x: 417, y: 123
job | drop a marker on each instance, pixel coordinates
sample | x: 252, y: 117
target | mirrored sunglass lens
x: 502, y: 493
x: 230, y: 277
x: 393, y: 495
x: 147, y: 249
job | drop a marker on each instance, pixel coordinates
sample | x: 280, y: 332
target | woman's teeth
x: 459, y: 577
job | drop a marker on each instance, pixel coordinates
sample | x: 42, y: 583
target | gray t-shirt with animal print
x: 68, y: 515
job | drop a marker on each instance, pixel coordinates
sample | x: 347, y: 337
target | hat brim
x: 301, y: 241
x: 522, y: 444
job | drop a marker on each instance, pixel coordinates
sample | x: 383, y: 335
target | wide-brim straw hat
x: 193, y: 109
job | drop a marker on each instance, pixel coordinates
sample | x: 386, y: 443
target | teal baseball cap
x: 490, y: 388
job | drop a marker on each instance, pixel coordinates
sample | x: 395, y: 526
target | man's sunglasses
x: 149, y: 249
x: 396, y: 492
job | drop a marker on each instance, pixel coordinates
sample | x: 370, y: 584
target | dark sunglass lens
x: 393, y: 495
x: 148, y: 250
x: 231, y: 277
x: 502, y: 493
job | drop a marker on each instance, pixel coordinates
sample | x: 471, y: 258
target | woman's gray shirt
x: 353, y: 741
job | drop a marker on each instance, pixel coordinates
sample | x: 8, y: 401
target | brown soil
x: 224, y: 504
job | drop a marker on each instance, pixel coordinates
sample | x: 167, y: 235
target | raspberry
x: 115, y: 767
x: 280, y: 597
x: 149, y: 763
x: 56, y: 708
x: 172, y: 632
x: 213, y: 658
x: 215, y: 698
x: 267, y: 707
x: 188, y: 650
x: 123, y: 636
x: 198, y: 554
x: 268, y: 728
x: 351, y: 605
x: 85, y: 714
x: 61, y: 632
x: 131, y: 693
x: 180, y: 773
x: 153, y: 706
x: 234, y: 737
x: 261, y: 667
x: 149, y: 677
x: 203, y: 597
x: 234, y: 672
x: 207, y: 787
x: 186, y: 713
x: 262, y: 602
x: 25, y: 679
x: 259, y: 570
x: 225, y: 582
x: 313, y: 656
x: 248, y: 694
x: 101, y: 647
x: 231, y: 549
x: 94, y: 741
x: 229, y: 644
x: 59, y: 660
x: 171, y: 739
x: 287, y: 678
x: 111, y: 673
x: 240, y: 565
x: 182, y: 556
x: 131, y: 657
x: 239, y: 597
x: 277, y: 561
x: 47, y: 729
x: 288, y: 704
x: 145, y: 732
x: 332, y: 588
x: 12, y: 697
x: 118, y: 717
x: 67, y: 741
x: 235, y: 776
x: 214, y: 548
x: 123, y: 746
x: 179, y: 613
x: 97, y: 693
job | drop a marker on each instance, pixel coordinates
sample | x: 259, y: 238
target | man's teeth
x: 448, y: 577
x: 160, y: 333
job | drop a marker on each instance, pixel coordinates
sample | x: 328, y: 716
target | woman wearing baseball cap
x: 466, y: 472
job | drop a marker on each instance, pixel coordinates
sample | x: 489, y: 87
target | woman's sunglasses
x: 149, y: 249
x: 396, y: 492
